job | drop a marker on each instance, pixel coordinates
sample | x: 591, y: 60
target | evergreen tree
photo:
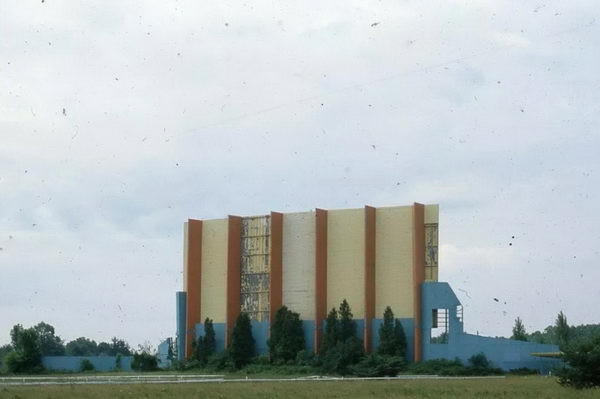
x: 562, y: 329
x: 400, y: 338
x: 392, y: 340
x: 205, y: 345
x: 241, y: 350
x: 387, y: 344
x: 518, y: 332
x: 330, y: 335
x: 287, y: 336
x: 346, y: 326
x: 340, y: 348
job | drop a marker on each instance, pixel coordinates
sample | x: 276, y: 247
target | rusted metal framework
x: 255, y: 276
x: 431, y: 251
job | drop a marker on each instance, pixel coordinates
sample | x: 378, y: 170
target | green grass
x: 512, y: 387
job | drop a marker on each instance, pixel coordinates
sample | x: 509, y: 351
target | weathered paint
x: 321, y: 223
x: 193, y: 273
x: 393, y: 272
x: 214, y: 270
x: 234, y: 236
x: 345, y: 259
x: 276, y: 266
x: 369, y: 280
x: 418, y: 273
x: 298, y: 276
x: 255, y: 264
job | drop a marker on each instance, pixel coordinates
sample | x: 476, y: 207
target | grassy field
x: 513, y: 387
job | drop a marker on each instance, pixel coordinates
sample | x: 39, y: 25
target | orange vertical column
x: 234, y: 243
x: 193, y: 281
x: 418, y: 236
x: 320, y: 275
x: 370, y: 221
x: 276, y: 260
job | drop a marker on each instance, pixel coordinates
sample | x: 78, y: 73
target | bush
x: 144, y: 361
x: 582, y: 365
x: 478, y: 365
x: 86, y: 365
x: 523, y: 371
x: 287, y: 336
x: 241, y: 350
x: 379, y: 366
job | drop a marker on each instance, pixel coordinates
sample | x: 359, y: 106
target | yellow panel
x: 346, y: 259
x: 214, y: 270
x: 299, y: 263
x: 393, y: 271
x: 432, y: 213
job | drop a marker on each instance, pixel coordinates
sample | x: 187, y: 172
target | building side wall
x: 299, y: 263
x: 345, y: 259
x: 394, y: 257
x: 432, y: 213
x: 214, y: 270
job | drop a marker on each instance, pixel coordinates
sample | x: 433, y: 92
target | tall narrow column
x: 276, y: 266
x: 370, y: 243
x: 234, y: 239
x: 418, y: 258
x: 320, y: 275
x: 193, y: 276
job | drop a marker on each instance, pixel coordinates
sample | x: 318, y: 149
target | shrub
x: 86, y: 365
x: 144, y: 361
x: 582, y: 364
x: 478, y: 365
x: 523, y: 371
x: 379, y: 366
x: 241, y: 350
x: 287, y: 336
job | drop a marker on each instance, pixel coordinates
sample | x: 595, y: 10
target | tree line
x: 28, y: 345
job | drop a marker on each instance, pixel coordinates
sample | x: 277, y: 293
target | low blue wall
x: 73, y: 363
x: 504, y: 353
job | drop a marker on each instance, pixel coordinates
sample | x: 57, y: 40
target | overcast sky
x: 120, y: 120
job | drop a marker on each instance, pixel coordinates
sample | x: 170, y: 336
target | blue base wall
x: 260, y: 332
x: 309, y: 334
x: 73, y: 363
